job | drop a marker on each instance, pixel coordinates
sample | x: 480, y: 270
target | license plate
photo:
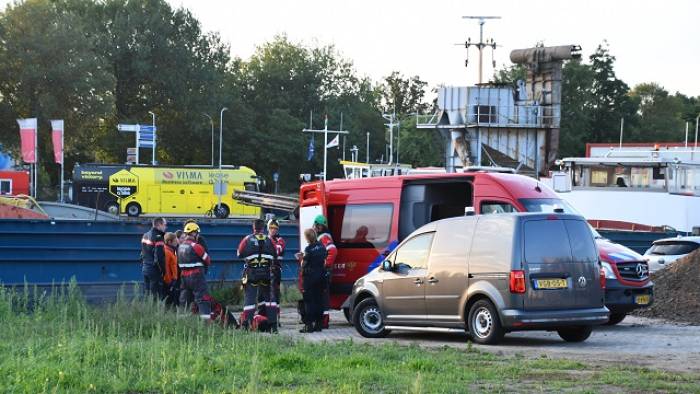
x: 642, y: 299
x: 551, y: 283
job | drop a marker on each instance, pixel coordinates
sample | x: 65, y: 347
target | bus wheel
x: 112, y: 208
x: 221, y: 211
x: 133, y: 209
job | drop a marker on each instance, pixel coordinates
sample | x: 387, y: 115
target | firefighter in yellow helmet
x: 193, y: 260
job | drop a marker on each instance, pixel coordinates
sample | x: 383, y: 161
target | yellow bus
x: 183, y: 191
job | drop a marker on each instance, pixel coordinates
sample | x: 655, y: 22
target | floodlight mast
x: 481, y: 44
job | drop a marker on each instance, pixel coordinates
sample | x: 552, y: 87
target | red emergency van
x: 368, y: 217
x: 14, y: 182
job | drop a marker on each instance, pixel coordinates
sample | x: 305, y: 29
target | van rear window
x: 559, y: 241
x: 546, y: 241
x: 361, y: 225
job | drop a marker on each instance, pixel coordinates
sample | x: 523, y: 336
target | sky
x: 654, y: 41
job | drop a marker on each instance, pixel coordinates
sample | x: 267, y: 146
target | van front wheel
x: 133, y: 209
x: 484, y: 323
x: 575, y: 334
x: 368, y: 319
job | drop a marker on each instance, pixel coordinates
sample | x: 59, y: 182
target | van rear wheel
x: 484, y: 323
x: 575, y: 334
x: 368, y: 319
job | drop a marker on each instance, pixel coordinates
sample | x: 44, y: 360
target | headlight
x: 609, y: 273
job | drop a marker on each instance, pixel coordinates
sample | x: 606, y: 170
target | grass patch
x: 58, y: 343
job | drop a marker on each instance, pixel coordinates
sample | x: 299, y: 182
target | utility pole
x: 622, y: 130
x: 325, y: 132
x: 368, y: 147
x: 481, y: 44
x: 697, y: 119
x: 212, y: 138
x: 392, y: 123
x: 221, y: 143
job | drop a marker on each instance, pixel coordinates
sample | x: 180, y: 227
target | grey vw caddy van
x: 489, y: 275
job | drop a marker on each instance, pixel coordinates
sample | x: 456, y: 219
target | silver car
x: 489, y: 275
x: 665, y: 251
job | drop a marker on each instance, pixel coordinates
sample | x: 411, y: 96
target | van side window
x: 361, y: 225
x: 546, y: 241
x: 489, y: 207
x: 414, y: 253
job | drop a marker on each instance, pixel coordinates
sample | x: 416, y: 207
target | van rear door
x: 312, y: 202
x: 584, y: 254
x: 549, y: 269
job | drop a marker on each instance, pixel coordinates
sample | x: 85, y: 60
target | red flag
x: 27, y: 135
x: 57, y: 139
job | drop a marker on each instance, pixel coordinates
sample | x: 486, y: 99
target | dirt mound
x: 677, y: 291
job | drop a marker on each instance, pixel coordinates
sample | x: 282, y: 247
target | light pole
x: 695, y: 147
x: 367, y: 147
x: 221, y: 142
x: 212, y: 138
x: 153, y: 158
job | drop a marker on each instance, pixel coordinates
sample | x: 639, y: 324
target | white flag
x: 334, y: 142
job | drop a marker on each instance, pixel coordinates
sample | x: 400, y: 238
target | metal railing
x: 500, y: 116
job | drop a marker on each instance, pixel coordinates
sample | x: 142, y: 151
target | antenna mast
x: 481, y: 44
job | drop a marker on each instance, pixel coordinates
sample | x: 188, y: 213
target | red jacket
x: 280, y: 244
x: 326, y: 240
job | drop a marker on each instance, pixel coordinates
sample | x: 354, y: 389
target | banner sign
x: 57, y: 139
x: 27, y: 135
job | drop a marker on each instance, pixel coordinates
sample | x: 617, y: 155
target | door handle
x: 418, y: 281
x: 433, y: 280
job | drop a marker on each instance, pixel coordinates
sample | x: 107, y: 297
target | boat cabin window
x: 427, y: 201
x: 684, y: 180
x: 361, y: 225
x: 633, y: 177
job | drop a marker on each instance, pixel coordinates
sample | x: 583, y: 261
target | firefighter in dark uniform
x: 193, y: 260
x: 273, y: 231
x: 325, y: 238
x: 259, y: 256
x: 153, y: 258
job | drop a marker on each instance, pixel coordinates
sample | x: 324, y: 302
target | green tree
x: 611, y: 100
x: 660, y: 114
x: 577, y: 108
x: 49, y: 69
x: 403, y: 95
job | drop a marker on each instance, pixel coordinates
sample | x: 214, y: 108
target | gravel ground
x: 636, y: 341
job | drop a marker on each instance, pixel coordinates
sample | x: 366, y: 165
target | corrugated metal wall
x: 107, y: 252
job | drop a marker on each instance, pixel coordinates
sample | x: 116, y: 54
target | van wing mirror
x: 386, y: 265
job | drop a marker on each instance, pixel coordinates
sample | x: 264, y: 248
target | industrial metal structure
x: 502, y: 125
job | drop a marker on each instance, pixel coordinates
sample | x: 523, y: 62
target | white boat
x: 624, y: 189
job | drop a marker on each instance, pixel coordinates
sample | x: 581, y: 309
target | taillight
x: 517, y: 281
x: 602, y: 278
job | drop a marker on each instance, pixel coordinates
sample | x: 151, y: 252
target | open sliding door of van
x: 312, y: 202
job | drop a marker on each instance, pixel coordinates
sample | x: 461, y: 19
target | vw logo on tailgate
x: 582, y: 281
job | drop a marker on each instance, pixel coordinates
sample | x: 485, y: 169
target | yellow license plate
x: 551, y: 283
x: 642, y: 299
